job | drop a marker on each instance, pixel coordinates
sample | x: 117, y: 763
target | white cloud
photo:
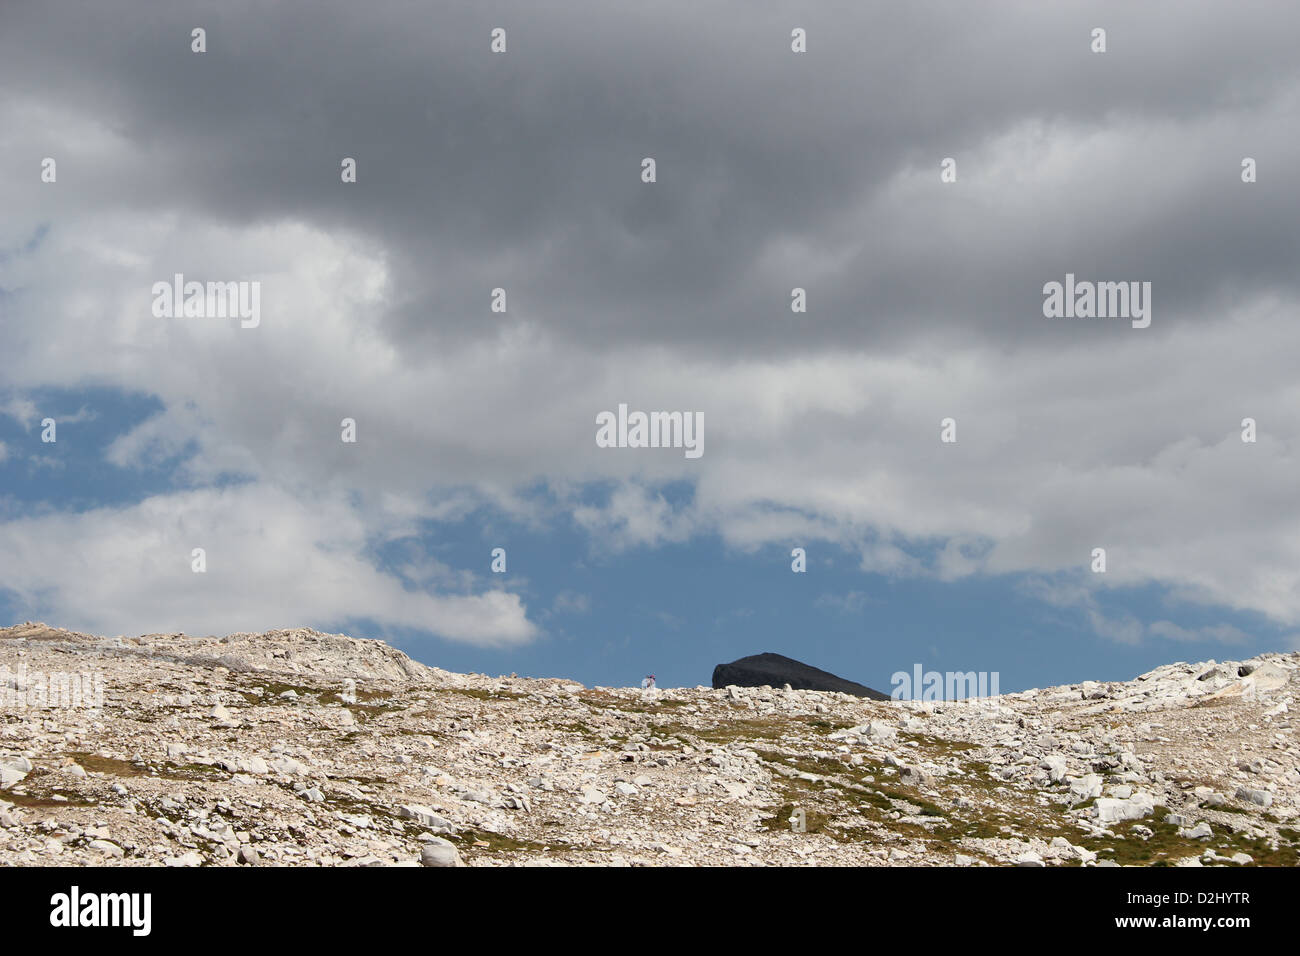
x: 852, y: 602
x: 1123, y: 628
x: 571, y: 602
x: 634, y: 517
x: 274, y: 559
x: 1221, y: 633
x: 22, y: 410
x: 1119, y: 439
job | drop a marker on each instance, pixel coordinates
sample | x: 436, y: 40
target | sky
x: 774, y: 170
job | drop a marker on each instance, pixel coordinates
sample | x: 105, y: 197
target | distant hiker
x: 648, y: 682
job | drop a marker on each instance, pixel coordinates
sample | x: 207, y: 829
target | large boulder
x: 10, y: 775
x: 1261, y: 679
x: 1135, y: 807
x: 777, y: 671
x: 440, y: 852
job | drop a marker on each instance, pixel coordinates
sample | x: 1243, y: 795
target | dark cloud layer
x: 775, y: 170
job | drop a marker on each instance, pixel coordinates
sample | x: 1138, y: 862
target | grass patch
x: 1164, y: 847
x: 94, y: 763
x: 364, y: 713
x: 191, y: 771
x: 41, y: 798
x: 1223, y: 808
x: 477, y: 693
x: 821, y: 723
x: 780, y: 821
x: 496, y: 843
x: 742, y: 730
x: 44, y: 800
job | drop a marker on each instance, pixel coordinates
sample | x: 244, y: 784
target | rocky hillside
x: 295, y: 747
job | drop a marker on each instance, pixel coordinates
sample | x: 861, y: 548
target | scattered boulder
x: 107, y: 848
x: 288, y: 766
x: 440, y: 852
x: 222, y: 717
x: 1113, y: 810
x: 700, y: 777
x: 1201, y: 831
x: 1055, y: 767
x: 1260, y: 798
x: 1258, y: 679
x: 1086, y: 787
x: 425, y: 816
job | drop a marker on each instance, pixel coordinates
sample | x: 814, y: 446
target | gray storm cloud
x: 776, y: 170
